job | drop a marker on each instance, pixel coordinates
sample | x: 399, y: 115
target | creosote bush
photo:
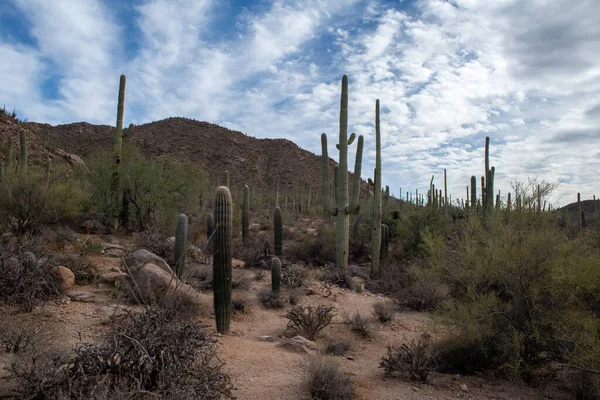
x: 294, y: 276
x: 383, y: 311
x: 309, y: 321
x: 325, y: 381
x: 270, y: 300
x: 415, y: 360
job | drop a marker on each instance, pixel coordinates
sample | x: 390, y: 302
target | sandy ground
x: 260, y: 369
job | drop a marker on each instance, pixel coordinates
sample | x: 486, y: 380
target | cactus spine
x: 23, y: 148
x: 117, y: 150
x: 343, y: 208
x: 445, y: 194
x: 278, y: 232
x: 275, y: 275
x: 376, y: 229
x: 245, y: 211
x: 180, y: 244
x: 222, y: 258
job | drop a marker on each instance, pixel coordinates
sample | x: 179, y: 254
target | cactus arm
x: 326, y: 186
x: 354, y: 206
x: 351, y: 139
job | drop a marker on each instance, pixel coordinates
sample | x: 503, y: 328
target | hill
x: 214, y: 148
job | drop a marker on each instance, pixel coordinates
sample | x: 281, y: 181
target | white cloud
x: 449, y: 73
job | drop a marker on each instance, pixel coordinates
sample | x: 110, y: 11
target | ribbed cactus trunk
x: 376, y: 229
x: 508, y: 202
x: 445, y: 194
x: 473, y: 192
x: 245, y: 214
x: 117, y: 152
x: 23, y: 156
x: 343, y: 208
x: 222, y: 268
x: 278, y: 232
x: 275, y: 276
x: 180, y: 244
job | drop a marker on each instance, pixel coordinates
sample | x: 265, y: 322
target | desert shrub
x: 80, y: 265
x: 325, y: 381
x: 338, y: 347
x: 337, y: 277
x: 241, y: 280
x: 522, y: 292
x: 309, y: 321
x: 294, y: 296
x: 359, y: 325
x: 318, y: 250
x: 154, y: 191
x: 31, y: 201
x: 155, y: 241
x: 270, y: 300
x: 294, y: 276
x: 239, y: 302
x: 19, y: 335
x: 360, y: 239
x: 415, y: 359
x: 152, y: 352
x: 200, y: 276
x: 384, y: 312
x: 260, y: 274
x: 426, y: 294
x: 27, y: 288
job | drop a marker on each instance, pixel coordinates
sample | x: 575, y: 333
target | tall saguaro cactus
x: 117, y: 151
x: 180, y: 244
x: 23, y: 155
x: 245, y: 216
x: 376, y: 229
x: 473, y: 192
x: 278, y: 231
x: 222, y: 267
x: 342, y: 208
x: 488, y: 199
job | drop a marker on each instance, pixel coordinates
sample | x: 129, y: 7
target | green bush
x: 154, y: 191
x: 521, y: 292
x: 29, y: 202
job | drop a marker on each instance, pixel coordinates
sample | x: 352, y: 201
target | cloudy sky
x: 447, y: 73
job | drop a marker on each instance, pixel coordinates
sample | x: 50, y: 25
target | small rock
x: 351, y: 358
x: 66, y: 277
x: 464, y: 388
x: 12, y: 267
x: 415, y: 389
x: 300, y: 344
x: 267, y: 339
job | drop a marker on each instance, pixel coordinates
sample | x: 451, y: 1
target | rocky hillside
x: 214, y: 148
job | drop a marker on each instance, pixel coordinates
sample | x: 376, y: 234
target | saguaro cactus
x: 222, y: 258
x: 278, y: 232
x: 180, y: 244
x: 23, y: 148
x: 9, y: 154
x: 245, y: 212
x: 117, y: 151
x: 376, y: 229
x: 343, y: 208
x: 384, y: 241
x: 445, y: 194
x: 474, y: 192
x: 275, y: 275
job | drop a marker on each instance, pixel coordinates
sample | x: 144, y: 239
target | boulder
x: 152, y: 283
x: 300, y: 344
x: 66, y: 277
x: 72, y: 159
x: 136, y: 260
